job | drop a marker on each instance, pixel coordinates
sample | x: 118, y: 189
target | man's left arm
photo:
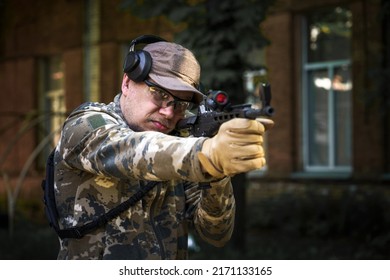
x: 214, y: 217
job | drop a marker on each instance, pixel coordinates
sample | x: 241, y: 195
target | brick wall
x: 370, y: 123
x: 46, y: 28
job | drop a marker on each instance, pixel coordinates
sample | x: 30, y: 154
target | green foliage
x: 32, y: 238
x: 221, y: 34
x: 283, y: 222
x: 311, y: 222
x: 30, y: 241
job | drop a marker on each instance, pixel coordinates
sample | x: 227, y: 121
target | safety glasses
x: 163, y: 98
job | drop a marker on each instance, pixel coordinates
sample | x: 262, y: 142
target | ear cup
x: 137, y: 65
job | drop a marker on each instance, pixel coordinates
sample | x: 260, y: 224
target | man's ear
x: 125, y: 84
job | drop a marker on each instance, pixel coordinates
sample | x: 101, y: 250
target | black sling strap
x: 80, y: 231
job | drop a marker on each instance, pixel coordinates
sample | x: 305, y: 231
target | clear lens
x: 161, y: 98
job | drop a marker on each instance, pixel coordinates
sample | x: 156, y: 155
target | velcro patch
x: 96, y: 121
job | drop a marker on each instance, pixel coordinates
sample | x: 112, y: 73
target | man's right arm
x: 97, y: 143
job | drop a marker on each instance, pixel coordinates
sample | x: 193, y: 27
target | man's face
x: 144, y: 109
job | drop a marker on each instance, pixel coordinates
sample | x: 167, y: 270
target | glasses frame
x: 162, y: 102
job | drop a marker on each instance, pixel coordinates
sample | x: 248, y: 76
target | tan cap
x: 176, y: 69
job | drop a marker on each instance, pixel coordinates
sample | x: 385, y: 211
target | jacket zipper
x: 156, y: 231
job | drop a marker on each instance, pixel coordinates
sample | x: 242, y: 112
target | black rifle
x: 217, y: 109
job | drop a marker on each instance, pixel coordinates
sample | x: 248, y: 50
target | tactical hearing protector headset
x: 138, y: 63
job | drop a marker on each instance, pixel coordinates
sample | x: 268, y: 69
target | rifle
x: 216, y: 109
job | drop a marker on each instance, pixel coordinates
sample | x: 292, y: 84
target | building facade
x: 328, y: 63
x: 53, y: 57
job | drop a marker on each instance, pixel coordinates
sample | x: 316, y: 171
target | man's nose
x: 168, y: 111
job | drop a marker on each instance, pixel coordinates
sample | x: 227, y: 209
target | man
x: 108, y: 153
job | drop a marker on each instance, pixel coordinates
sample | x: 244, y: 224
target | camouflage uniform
x: 100, y: 162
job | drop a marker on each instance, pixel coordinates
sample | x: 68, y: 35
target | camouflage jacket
x: 100, y: 162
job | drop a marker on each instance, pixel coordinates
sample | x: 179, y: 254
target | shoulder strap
x: 80, y: 231
x: 48, y: 192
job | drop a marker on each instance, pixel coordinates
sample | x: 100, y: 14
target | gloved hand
x: 236, y: 148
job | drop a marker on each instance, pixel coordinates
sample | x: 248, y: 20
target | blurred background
x: 324, y: 193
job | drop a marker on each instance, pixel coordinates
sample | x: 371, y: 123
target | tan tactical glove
x: 236, y: 148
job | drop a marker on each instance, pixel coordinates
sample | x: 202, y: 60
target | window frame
x: 328, y: 66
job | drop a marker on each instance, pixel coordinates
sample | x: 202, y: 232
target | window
x: 51, y: 88
x: 327, y: 87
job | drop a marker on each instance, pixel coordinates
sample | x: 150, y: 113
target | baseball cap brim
x: 178, y: 88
